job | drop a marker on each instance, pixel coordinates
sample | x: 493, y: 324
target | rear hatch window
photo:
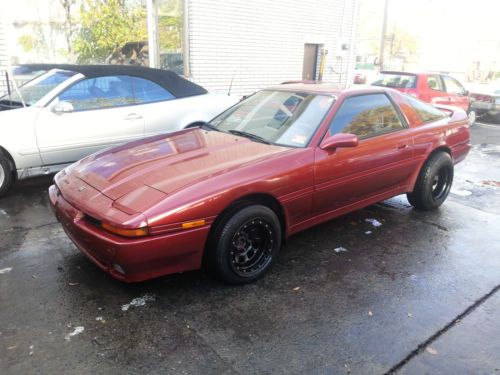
x: 396, y: 80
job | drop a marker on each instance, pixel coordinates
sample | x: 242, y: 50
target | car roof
x: 328, y: 89
x: 177, y: 85
x: 413, y: 73
x: 416, y: 72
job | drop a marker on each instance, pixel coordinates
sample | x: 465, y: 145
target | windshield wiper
x: 249, y: 135
x: 11, y: 102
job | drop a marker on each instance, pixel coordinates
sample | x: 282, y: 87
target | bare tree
x: 70, y: 25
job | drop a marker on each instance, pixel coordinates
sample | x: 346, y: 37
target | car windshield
x: 278, y: 117
x: 396, y: 80
x: 36, y: 89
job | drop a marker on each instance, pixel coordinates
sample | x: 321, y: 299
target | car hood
x: 141, y: 173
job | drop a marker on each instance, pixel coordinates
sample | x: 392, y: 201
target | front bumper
x: 130, y: 259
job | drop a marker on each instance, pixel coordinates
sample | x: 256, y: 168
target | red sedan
x: 433, y: 88
x: 228, y: 193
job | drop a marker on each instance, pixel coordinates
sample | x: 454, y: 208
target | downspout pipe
x: 350, y: 62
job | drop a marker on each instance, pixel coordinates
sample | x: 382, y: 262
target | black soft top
x: 178, y: 86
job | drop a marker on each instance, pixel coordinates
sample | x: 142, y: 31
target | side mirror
x: 339, y: 140
x: 63, y: 107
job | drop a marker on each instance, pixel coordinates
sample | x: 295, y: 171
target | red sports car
x: 226, y: 194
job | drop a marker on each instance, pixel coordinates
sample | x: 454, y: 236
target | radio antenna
x: 231, y: 84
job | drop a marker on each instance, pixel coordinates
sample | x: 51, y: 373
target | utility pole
x: 382, y: 38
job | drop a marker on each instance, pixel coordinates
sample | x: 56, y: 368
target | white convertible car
x: 73, y: 111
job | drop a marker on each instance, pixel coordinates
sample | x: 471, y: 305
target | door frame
x: 314, y: 63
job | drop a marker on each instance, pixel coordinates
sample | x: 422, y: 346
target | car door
x: 381, y: 163
x: 458, y: 94
x: 90, y: 115
x: 162, y: 112
x: 435, y: 93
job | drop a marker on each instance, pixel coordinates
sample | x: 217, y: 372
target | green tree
x: 402, y: 45
x: 106, y: 25
x: 170, y: 33
x: 170, y: 25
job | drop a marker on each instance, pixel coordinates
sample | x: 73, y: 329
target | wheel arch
x: 194, y: 124
x: 440, y: 148
x: 264, y: 199
x: 10, y: 159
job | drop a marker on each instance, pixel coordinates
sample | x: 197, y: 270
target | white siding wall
x: 262, y: 42
x: 3, y: 57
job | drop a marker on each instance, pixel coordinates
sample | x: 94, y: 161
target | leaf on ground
x: 431, y: 350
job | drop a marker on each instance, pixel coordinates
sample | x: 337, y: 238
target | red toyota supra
x: 226, y: 194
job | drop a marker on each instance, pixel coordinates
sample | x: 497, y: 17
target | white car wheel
x: 2, y: 176
x: 472, y: 117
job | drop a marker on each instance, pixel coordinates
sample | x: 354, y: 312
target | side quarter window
x: 100, y: 92
x: 366, y: 116
x: 453, y: 86
x: 425, y: 112
x: 146, y: 91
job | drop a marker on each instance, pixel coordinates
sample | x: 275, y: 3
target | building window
x: 170, y: 30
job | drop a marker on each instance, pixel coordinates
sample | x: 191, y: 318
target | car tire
x: 472, y: 117
x: 433, y: 183
x: 6, y: 176
x: 245, y: 245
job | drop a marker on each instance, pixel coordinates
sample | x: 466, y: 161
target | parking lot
x: 417, y: 294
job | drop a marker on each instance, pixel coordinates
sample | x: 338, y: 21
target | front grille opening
x: 93, y: 220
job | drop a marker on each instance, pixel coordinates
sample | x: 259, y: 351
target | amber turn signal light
x: 139, y: 232
x: 193, y: 224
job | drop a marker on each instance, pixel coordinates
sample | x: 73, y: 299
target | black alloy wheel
x: 244, y: 244
x: 251, y: 247
x: 433, y: 183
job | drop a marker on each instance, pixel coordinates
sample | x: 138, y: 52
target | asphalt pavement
x: 418, y: 294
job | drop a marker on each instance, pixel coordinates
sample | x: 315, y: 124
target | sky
x: 451, y: 33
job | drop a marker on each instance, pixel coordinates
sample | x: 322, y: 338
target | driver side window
x: 366, y: 116
x: 100, y: 92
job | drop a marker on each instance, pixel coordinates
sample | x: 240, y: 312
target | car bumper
x: 482, y: 107
x: 130, y: 259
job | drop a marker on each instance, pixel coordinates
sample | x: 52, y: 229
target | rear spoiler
x: 454, y: 113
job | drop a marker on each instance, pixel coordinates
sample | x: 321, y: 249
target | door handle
x: 402, y: 146
x: 133, y: 116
